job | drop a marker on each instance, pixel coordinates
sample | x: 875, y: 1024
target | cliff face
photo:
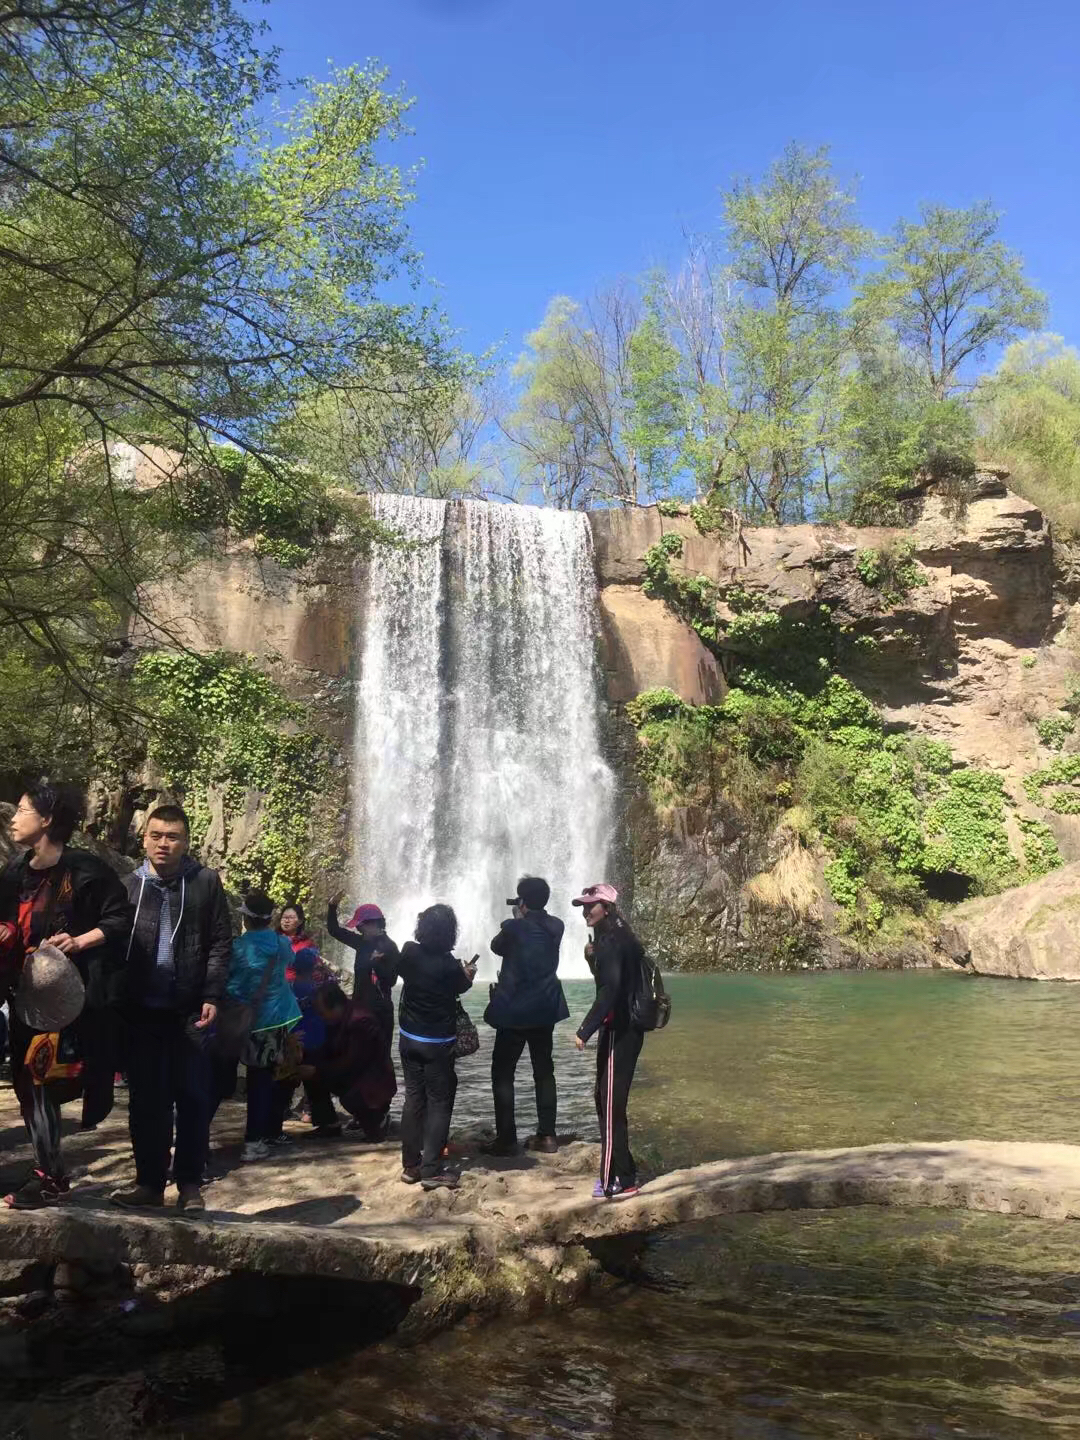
x: 975, y: 654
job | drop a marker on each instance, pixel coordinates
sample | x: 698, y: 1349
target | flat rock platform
x: 514, y: 1235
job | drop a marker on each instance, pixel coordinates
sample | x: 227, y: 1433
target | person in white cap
x: 615, y: 956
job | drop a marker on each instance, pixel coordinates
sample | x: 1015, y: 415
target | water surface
x: 862, y: 1324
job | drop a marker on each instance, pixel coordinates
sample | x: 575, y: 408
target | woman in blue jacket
x: 257, y: 977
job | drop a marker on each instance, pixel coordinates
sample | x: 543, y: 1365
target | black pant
x: 280, y: 1100
x: 504, y: 1059
x: 321, y: 1097
x: 616, y: 1058
x: 260, y: 1103
x: 430, y: 1086
x: 167, y: 1072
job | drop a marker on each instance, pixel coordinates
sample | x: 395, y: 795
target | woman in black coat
x: 433, y: 978
x: 70, y: 899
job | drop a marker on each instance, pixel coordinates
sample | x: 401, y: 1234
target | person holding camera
x: 527, y: 1002
x: 432, y: 979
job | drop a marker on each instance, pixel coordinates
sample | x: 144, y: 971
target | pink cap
x: 592, y: 894
x: 364, y: 913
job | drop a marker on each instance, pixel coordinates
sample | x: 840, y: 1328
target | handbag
x: 468, y: 1041
x: 236, y: 1017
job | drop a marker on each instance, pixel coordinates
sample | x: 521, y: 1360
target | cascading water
x: 477, y: 755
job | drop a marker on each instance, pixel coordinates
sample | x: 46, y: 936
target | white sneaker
x: 254, y: 1150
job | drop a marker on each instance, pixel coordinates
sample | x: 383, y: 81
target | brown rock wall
x: 646, y: 645
x: 239, y: 601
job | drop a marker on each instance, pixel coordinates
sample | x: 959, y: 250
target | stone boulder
x: 1031, y: 932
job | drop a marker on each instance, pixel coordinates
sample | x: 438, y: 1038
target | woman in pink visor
x: 614, y: 957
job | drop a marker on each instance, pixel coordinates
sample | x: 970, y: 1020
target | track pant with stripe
x: 616, y: 1059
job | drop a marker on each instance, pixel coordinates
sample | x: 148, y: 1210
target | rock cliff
x: 978, y: 653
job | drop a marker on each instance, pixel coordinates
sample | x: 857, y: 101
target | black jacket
x: 375, y: 969
x: 84, y: 894
x: 202, y: 946
x: 615, y: 961
x: 528, y: 995
x: 431, y: 982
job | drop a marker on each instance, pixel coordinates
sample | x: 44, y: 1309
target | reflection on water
x: 845, y: 1325
x: 860, y: 1325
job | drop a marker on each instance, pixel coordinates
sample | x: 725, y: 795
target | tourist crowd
x: 143, y: 978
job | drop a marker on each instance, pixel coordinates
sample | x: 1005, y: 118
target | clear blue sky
x: 568, y: 142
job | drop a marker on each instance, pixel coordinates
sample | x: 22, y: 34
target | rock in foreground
x: 1029, y: 933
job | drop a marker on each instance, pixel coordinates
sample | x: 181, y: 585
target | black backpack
x: 650, y: 1004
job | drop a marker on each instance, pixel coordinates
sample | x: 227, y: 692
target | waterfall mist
x: 477, y: 754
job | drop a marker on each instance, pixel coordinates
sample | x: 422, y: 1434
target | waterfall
x: 477, y: 755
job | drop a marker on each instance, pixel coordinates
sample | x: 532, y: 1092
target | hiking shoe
x: 190, y: 1201
x: 543, y: 1144
x: 139, y: 1197
x: 37, y: 1192
x: 617, y: 1191
x: 327, y: 1132
x: 410, y: 1175
x: 445, y: 1180
x: 254, y: 1150
x: 281, y: 1139
x: 500, y: 1147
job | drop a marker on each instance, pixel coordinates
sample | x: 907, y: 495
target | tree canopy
x: 792, y: 368
x: 182, y: 262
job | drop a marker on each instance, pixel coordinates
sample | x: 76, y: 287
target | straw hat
x: 50, y: 992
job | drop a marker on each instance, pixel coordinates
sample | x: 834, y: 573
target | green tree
x: 410, y: 427
x: 793, y: 240
x: 179, y: 263
x: 950, y: 289
x: 894, y: 434
x: 571, y: 425
x: 1029, y: 418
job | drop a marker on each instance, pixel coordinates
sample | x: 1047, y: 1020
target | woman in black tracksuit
x: 432, y: 979
x: 614, y: 957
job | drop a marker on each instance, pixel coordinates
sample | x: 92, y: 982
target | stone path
x: 512, y: 1234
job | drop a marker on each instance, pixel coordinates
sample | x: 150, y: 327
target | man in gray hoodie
x: 177, y: 964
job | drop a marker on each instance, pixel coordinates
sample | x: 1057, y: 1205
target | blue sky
x: 569, y: 142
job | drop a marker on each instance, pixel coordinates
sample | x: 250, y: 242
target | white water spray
x: 477, y: 755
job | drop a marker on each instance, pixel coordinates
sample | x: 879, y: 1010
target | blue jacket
x: 528, y: 994
x: 250, y: 954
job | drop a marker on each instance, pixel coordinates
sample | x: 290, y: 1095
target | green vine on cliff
x: 889, y: 812
x: 892, y: 570
x: 1053, y: 730
x: 225, y: 726
x: 1041, y: 853
x: 285, y: 511
x: 1056, y: 786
